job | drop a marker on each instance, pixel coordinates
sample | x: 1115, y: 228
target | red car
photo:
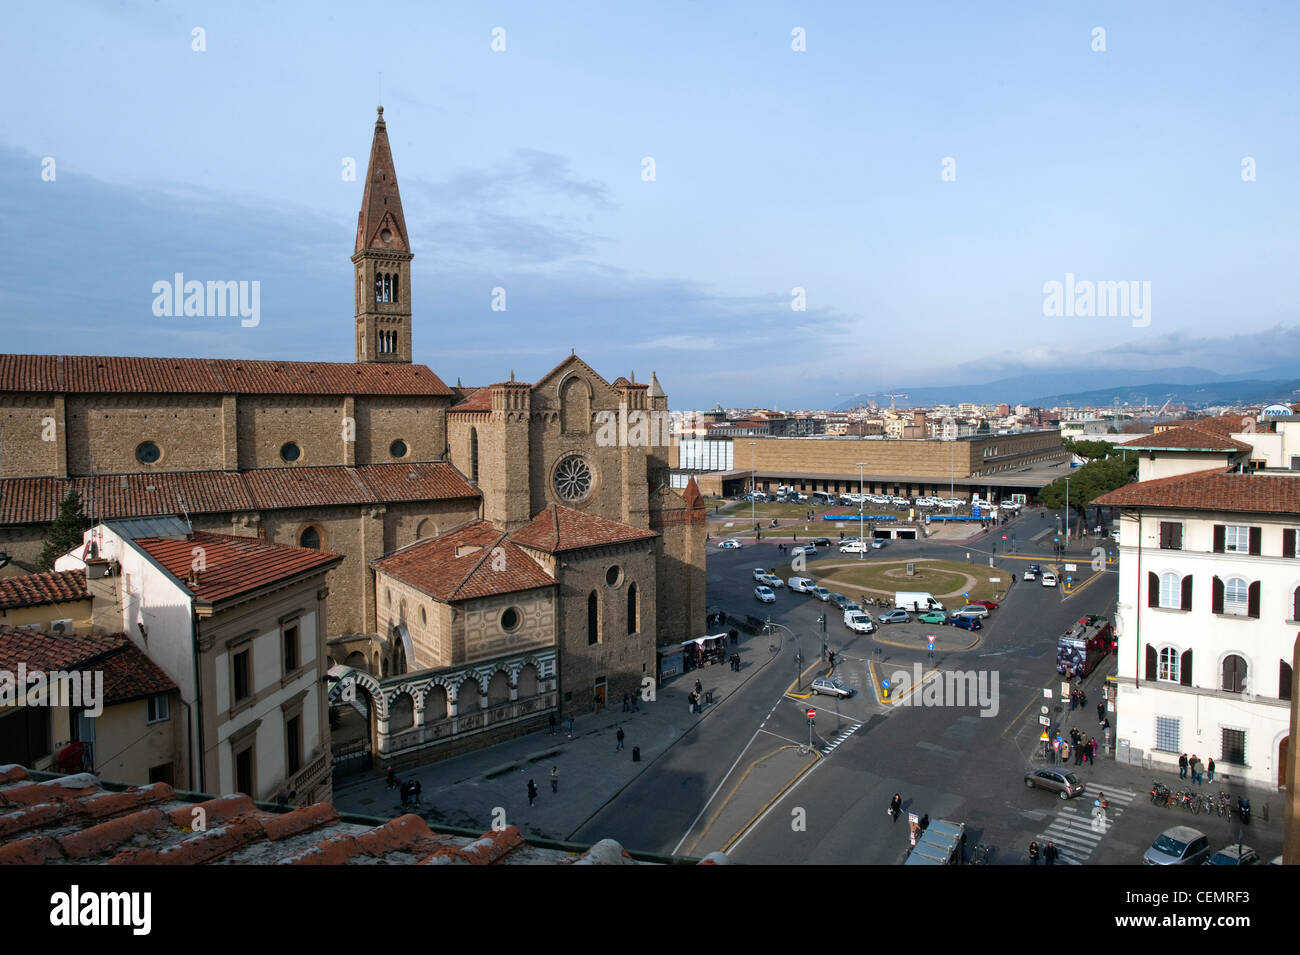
x: 990, y: 604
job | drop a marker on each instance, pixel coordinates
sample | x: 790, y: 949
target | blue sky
x: 775, y: 169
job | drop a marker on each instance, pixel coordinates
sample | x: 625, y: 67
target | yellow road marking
x: 734, y: 789
x: 771, y: 802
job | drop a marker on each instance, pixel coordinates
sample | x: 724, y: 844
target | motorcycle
x: 1243, y: 809
x: 1159, y: 794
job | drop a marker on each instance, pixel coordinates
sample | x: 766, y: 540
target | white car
x: 972, y: 610
x: 773, y: 581
x: 730, y: 544
x: 765, y: 595
x: 853, y: 547
x: 1049, y: 579
x: 759, y: 574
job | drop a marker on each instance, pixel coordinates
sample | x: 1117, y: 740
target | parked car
x: 966, y: 623
x: 1234, y: 855
x: 730, y: 544
x: 760, y: 573
x: 802, y: 585
x: 933, y: 616
x: 840, y: 601
x: 821, y: 593
x: 858, y: 621
x: 1114, y: 535
x: 895, y: 616
x: 831, y: 687
x: 765, y: 594
x: 1179, y: 845
x: 773, y: 581
x: 1060, y: 781
x: 1049, y: 579
x: 1032, y: 572
x: 990, y: 604
x: 972, y: 610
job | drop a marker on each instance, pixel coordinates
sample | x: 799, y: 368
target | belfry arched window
x: 379, y: 287
x: 388, y: 287
x: 473, y: 455
x: 395, y: 297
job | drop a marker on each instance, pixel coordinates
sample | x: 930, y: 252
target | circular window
x: 572, y: 479
x: 147, y: 452
x: 386, y: 235
x: 510, y: 619
x: 309, y: 538
x: 397, y: 449
x: 614, y: 576
x: 290, y: 451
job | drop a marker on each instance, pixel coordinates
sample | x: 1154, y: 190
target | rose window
x: 572, y: 479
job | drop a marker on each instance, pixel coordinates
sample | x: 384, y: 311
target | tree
x: 65, y: 533
x: 1089, y: 483
x: 1090, y: 450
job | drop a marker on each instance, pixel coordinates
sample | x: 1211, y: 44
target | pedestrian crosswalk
x: 838, y: 738
x: 1079, y: 827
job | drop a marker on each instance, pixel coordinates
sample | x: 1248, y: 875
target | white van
x: 823, y: 497
x: 858, y: 621
x: 916, y: 599
x: 802, y: 585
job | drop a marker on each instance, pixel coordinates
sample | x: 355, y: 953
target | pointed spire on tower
x: 656, y: 389
x: 380, y: 223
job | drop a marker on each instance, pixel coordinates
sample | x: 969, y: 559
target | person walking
x: 1033, y: 853
x: 555, y: 779
x: 1074, y: 700
x: 627, y: 703
x: 1209, y: 768
x: 896, y: 806
x: 532, y: 793
x: 1092, y: 750
x: 570, y: 727
x: 1182, y: 766
x: 1197, y: 767
x: 691, y: 700
x: 1050, y: 853
x: 405, y: 792
x: 417, y: 788
x: 552, y: 722
x: 1101, y: 711
x: 391, y: 778
x: 619, y: 736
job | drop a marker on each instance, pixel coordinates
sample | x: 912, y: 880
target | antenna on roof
x: 181, y: 504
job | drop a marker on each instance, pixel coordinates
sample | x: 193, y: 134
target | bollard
x: 636, y: 754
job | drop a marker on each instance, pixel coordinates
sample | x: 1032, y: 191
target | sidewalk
x: 489, y: 786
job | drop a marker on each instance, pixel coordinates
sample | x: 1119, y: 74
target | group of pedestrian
x: 1078, y: 699
x: 408, y: 789
x: 1049, y: 853
x: 1084, y: 751
x: 629, y: 703
x: 734, y: 659
x: 1195, y: 768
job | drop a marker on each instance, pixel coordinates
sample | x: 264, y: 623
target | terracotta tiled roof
x: 1188, y: 438
x: 1213, y: 490
x: 558, y: 528
x: 473, y: 560
x: 479, y: 400
x: 98, y: 374
x: 129, y: 674
x: 232, y: 565
x: 52, y: 587
x: 1223, y: 425
x: 76, y: 819
x: 36, y: 500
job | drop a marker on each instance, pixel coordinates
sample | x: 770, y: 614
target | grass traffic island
x: 942, y: 578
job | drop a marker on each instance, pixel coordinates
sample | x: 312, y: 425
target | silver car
x: 1181, y: 845
x: 831, y: 687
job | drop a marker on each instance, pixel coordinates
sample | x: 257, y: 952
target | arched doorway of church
x: 1283, y: 754
x: 403, y: 651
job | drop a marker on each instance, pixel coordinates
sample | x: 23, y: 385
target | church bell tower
x: 382, y: 261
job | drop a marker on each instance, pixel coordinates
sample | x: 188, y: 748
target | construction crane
x: 891, y: 395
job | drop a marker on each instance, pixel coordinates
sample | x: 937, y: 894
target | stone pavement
x: 488, y: 787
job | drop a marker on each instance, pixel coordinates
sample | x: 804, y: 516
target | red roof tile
x: 129, y: 674
x: 51, y: 587
x: 557, y: 528
x: 1188, y: 438
x: 98, y: 374
x: 1213, y: 490
x: 470, y: 561
x: 232, y: 565
x: 479, y: 400
x: 36, y: 500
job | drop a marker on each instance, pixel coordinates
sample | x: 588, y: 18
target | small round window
x: 290, y: 451
x: 386, y: 235
x: 510, y: 619
x: 147, y: 452
x: 614, y: 575
x: 397, y: 449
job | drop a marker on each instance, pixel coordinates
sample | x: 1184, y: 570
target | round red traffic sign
x: 812, y: 714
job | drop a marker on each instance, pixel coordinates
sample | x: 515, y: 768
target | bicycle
x: 981, y: 854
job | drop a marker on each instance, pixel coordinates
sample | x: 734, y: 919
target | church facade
x: 371, y: 457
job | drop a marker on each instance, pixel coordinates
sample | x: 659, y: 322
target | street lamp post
x: 862, y: 531
x: 753, y: 488
x: 1067, y: 511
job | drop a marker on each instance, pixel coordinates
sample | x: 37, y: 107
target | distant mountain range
x: 1195, y: 387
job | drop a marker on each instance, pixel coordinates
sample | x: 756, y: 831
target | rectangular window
x: 1171, y: 535
x: 161, y: 774
x: 241, y: 678
x: 1236, y: 539
x: 1236, y: 597
x: 159, y: 708
x: 293, y: 743
x: 244, y: 771
x: 1234, y: 746
x: 1168, y: 734
x: 1168, y: 665
x: 1171, y: 591
x: 290, y: 640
